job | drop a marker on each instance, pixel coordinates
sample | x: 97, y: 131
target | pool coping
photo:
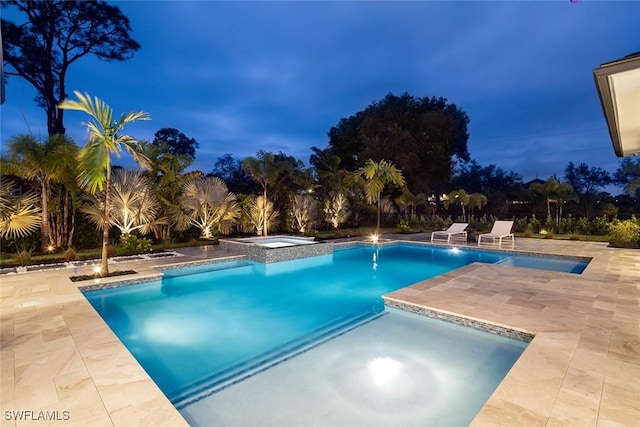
x: 58, y: 354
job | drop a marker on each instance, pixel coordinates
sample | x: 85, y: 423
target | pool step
x: 247, y: 368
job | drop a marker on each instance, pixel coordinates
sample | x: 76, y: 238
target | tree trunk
x: 265, y: 222
x: 104, y: 266
x: 378, y: 217
x: 44, y: 227
x: 71, y: 231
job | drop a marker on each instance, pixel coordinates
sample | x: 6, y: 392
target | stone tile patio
x: 59, y: 359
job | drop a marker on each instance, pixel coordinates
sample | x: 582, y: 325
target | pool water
x: 398, y: 370
x: 201, y: 327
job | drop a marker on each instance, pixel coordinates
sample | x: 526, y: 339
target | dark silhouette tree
x: 628, y: 175
x: 586, y: 182
x: 229, y: 169
x: 56, y: 34
x: 420, y: 136
x: 179, y: 144
x: 330, y: 174
x: 498, y: 185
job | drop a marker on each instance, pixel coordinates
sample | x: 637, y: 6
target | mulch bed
x: 97, y: 275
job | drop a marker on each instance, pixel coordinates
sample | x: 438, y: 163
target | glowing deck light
x: 50, y: 248
x: 374, y: 239
x: 384, y: 369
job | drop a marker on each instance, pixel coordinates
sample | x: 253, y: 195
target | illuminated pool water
x: 202, y: 327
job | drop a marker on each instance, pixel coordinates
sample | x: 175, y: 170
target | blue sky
x: 244, y: 76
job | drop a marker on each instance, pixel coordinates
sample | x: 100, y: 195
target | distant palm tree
x: 458, y: 197
x: 476, y: 200
x: 209, y: 206
x: 564, y: 194
x: 105, y: 139
x: 19, y: 214
x: 336, y: 209
x: 43, y: 162
x: 267, y: 170
x: 549, y: 190
x: 407, y: 202
x: 305, y: 210
x: 377, y: 175
x: 260, y: 214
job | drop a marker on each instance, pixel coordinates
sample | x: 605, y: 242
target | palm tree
x: 377, y: 175
x: 209, y: 206
x: 19, y: 213
x: 458, y: 197
x: 42, y: 162
x: 261, y: 214
x: 133, y: 206
x: 549, y: 190
x: 336, y: 209
x: 168, y: 177
x: 305, y: 209
x: 105, y: 139
x: 564, y: 194
x: 476, y: 200
x: 267, y: 170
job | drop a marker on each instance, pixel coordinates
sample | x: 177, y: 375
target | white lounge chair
x: 501, y: 230
x: 456, y: 229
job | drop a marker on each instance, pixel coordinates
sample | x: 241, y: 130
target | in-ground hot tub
x: 277, y: 248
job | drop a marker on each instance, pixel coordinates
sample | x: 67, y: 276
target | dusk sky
x: 244, y: 76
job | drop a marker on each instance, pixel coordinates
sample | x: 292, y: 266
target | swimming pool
x: 202, y: 327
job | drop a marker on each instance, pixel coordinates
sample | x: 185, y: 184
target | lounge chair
x: 501, y: 230
x: 456, y: 229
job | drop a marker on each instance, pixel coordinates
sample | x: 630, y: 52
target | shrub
x: 70, y: 254
x: 625, y: 234
x: 483, y: 223
x: 437, y: 223
x: 418, y: 222
x: 403, y: 226
x: 583, y: 226
x: 24, y: 257
x: 194, y: 242
x: 566, y: 225
x: 130, y: 243
x: 520, y: 225
x: 534, y: 224
x: 600, y: 226
x: 311, y: 233
x: 550, y: 224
